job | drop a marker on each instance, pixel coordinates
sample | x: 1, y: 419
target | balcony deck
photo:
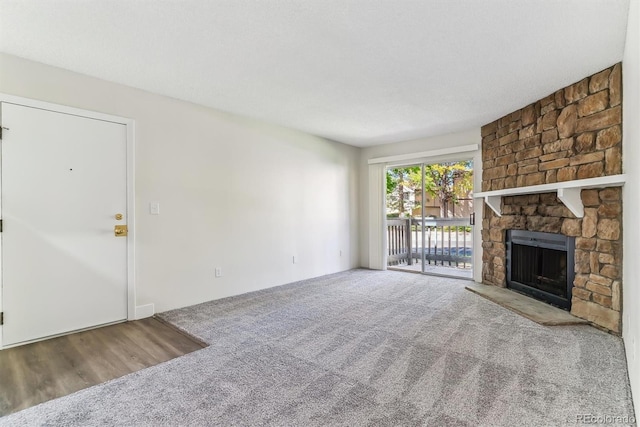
x: 463, y: 273
x: 446, y: 245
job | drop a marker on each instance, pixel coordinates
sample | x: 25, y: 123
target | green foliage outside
x: 447, y: 181
x: 399, y: 180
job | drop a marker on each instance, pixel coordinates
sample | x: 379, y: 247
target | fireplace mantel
x: 568, y: 192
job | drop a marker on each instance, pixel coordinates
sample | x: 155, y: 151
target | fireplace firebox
x: 541, y: 265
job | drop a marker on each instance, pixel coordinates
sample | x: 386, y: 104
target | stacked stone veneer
x: 574, y: 133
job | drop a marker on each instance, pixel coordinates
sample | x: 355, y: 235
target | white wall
x: 417, y: 146
x: 234, y: 193
x: 631, y: 199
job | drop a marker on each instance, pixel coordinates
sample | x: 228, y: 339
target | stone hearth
x: 574, y: 133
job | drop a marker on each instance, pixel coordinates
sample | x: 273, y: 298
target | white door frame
x: 130, y: 132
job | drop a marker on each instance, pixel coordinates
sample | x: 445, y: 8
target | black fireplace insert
x: 541, y: 265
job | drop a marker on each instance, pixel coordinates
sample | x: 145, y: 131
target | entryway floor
x: 530, y: 308
x: 38, y: 372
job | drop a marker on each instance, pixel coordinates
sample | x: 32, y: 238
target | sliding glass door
x: 430, y: 218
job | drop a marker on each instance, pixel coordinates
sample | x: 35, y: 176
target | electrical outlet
x: 154, y: 208
x: 218, y: 272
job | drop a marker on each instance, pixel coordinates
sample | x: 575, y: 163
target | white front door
x: 63, y: 183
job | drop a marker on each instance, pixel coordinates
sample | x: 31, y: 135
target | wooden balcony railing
x: 447, y: 242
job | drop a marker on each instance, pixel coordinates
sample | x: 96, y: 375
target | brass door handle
x: 120, y: 230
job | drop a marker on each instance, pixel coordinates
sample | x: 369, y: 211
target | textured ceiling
x: 363, y: 72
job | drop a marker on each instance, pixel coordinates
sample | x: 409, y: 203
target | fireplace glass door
x: 541, y: 265
x: 540, y: 268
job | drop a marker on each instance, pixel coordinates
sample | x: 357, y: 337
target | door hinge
x: 0, y: 226
x: 1, y: 318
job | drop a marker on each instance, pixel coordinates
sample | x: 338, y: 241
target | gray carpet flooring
x: 362, y: 348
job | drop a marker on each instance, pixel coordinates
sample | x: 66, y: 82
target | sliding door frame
x: 405, y: 161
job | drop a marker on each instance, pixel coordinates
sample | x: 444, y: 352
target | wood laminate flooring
x: 34, y: 373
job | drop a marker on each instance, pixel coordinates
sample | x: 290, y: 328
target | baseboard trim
x: 144, y: 311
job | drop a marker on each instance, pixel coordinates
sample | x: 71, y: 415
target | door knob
x: 120, y: 230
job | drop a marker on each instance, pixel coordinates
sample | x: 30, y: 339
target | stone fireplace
x: 572, y: 134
